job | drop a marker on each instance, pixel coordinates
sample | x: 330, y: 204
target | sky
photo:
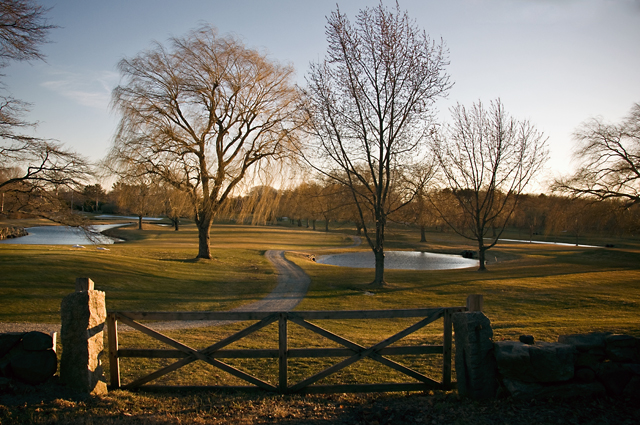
x: 556, y: 63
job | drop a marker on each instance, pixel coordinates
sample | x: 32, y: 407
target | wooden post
x: 114, y: 361
x: 84, y: 284
x: 475, y: 302
x: 446, y: 350
x: 282, y: 348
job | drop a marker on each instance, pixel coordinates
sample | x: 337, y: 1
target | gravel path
x: 293, y: 284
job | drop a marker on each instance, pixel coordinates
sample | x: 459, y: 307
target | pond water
x: 65, y: 235
x: 404, y: 260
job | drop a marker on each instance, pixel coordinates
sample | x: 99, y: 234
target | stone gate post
x: 83, y: 315
x: 475, y: 362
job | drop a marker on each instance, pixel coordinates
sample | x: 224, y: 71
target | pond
x: 403, y: 260
x: 65, y: 235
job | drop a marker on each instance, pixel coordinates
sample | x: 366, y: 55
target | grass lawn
x: 542, y: 290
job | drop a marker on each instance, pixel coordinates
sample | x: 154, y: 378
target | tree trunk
x: 314, y: 224
x: 481, y: 258
x: 299, y: 222
x: 204, y: 238
x: 326, y: 225
x: 378, y: 280
x: 358, y: 229
x: 139, y: 222
x: 423, y: 234
x: 307, y: 223
x: 176, y: 224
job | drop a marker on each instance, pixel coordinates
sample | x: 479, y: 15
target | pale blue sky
x: 556, y: 63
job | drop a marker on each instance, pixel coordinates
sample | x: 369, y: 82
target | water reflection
x: 65, y: 235
x: 404, y: 260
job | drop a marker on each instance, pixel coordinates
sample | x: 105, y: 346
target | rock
x: 632, y: 390
x: 614, y: 377
x: 83, y: 317
x: 37, y: 341
x: 468, y: 254
x: 8, y: 341
x: 591, y: 342
x: 529, y: 390
x: 527, y: 339
x: 543, y: 362
x: 5, y: 367
x: 589, y: 359
x: 585, y: 374
x: 621, y: 348
x: 474, y: 362
x: 34, y: 367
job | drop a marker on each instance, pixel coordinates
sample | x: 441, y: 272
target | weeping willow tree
x: 202, y: 114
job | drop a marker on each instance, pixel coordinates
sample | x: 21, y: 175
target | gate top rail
x: 259, y: 315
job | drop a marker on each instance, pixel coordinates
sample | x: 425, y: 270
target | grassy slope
x: 534, y: 289
x: 154, y: 270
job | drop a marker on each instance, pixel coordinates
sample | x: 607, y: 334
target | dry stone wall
x: 579, y: 365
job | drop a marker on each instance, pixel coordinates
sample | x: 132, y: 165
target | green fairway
x: 539, y: 289
x: 542, y: 290
x: 154, y: 270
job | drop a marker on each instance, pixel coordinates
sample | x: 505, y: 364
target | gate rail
x: 351, y: 350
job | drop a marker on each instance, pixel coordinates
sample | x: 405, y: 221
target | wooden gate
x: 352, y: 351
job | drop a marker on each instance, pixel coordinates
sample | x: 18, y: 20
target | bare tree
x: 201, y: 114
x: 39, y: 166
x: 487, y: 159
x: 140, y: 197
x: 370, y: 108
x: 609, y: 156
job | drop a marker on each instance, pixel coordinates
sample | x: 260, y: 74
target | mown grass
x: 529, y: 289
x: 155, y: 270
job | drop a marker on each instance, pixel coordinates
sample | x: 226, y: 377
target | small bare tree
x: 609, y: 156
x: 202, y: 114
x: 487, y: 159
x: 369, y: 105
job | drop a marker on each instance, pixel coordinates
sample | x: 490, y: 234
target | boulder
x: 34, y: 367
x: 590, y: 347
x: 474, y: 362
x: 531, y: 390
x: 593, y: 342
x: 632, y: 389
x: 37, y: 341
x: 527, y: 339
x: 542, y: 362
x: 621, y: 348
x: 8, y: 341
x: 614, y: 377
x: 585, y: 374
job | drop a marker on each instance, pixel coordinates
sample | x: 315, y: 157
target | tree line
x: 203, y: 117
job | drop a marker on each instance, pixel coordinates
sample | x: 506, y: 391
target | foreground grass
x: 125, y: 408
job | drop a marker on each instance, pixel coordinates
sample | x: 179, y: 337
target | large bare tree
x: 609, y: 156
x: 370, y: 108
x: 38, y: 167
x: 487, y: 159
x: 201, y: 114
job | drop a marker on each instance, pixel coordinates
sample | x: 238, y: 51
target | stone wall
x: 577, y: 365
x: 28, y: 357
